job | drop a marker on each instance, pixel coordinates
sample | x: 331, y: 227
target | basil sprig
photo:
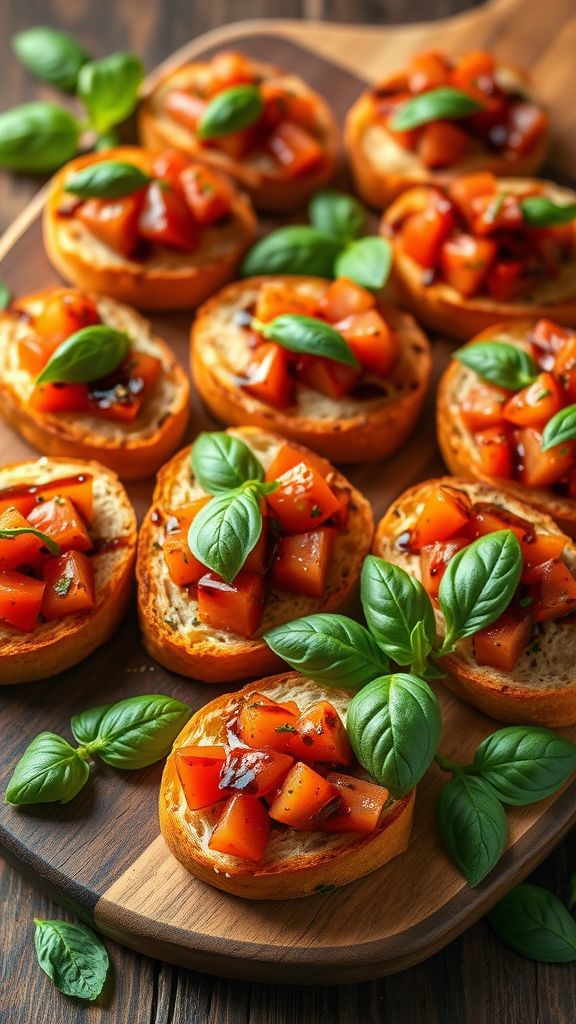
x: 107, y: 179
x: 72, y: 956
x: 231, y: 110
x: 15, y: 531
x: 5, y: 295
x: 437, y: 104
x: 221, y: 462
x: 398, y: 612
x: 559, y: 429
x: 499, y: 363
x: 49, y: 771
x: 331, y: 649
x: 307, y: 335
x: 50, y: 55
x: 295, y: 249
x: 367, y: 261
x: 542, y: 212
x: 337, y: 214
x: 473, y: 826
x: 89, y: 354
x: 534, y: 922
x: 37, y: 137
x: 108, y: 89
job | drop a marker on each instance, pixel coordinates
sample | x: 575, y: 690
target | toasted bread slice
x: 542, y: 687
x: 344, y: 430
x: 171, y: 630
x: 168, y: 279
x: 133, y: 450
x: 295, y: 863
x: 55, y: 646
x: 383, y: 169
x: 257, y: 173
x: 442, y: 308
x: 457, y: 442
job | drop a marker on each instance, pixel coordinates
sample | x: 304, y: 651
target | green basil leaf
x: 46, y: 540
x: 37, y: 137
x: 89, y: 354
x: 394, y: 603
x: 421, y: 645
x: 108, y: 179
x: 296, y: 249
x: 559, y: 429
x: 337, y: 214
x: 139, y: 731
x: 72, y: 956
x: 499, y: 363
x: 222, y: 462
x: 523, y: 763
x: 109, y: 89
x: 331, y: 649
x: 541, y: 212
x: 5, y: 295
x: 52, y: 56
x: 86, y: 724
x: 473, y: 826
x: 367, y: 261
x: 393, y: 725
x: 479, y: 584
x: 49, y: 770
x: 437, y: 104
x: 231, y: 110
x: 534, y: 923
x: 224, y: 532
x: 572, y: 892
x: 307, y: 334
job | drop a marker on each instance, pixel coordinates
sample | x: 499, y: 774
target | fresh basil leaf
x: 109, y: 89
x: 437, y: 104
x: 479, y: 584
x: 394, y: 603
x: 534, y: 923
x: 49, y: 771
x: 541, y: 212
x: 499, y: 363
x: 52, y: 56
x: 331, y: 649
x: 393, y: 725
x: 224, y: 532
x: 89, y: 354
x: 107, y: 179
x: 367, y: 261
x: 559, y: 429
x: 231, y: 110
x: 337, y: 214
x: 86, y: 724
x: 37, y: 137
x: 307, y: 334
x: 5, y: 295
x: 295, y: 249
x: 572, y: 892
x: 473, y: 826
x: 421, y: 647
x: 523, y: 763
x: 46, y: 540
x: 222, y: 462
x: 139, y: 731
x: 72, y: 956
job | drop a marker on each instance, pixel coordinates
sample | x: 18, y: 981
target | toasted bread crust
x: 186, y: 646
x: 295, y: 863
x: 443, y: 309
x: 56, y: 646
x: 542, y: 687
x: 182, y: 281
x: 350, y: 430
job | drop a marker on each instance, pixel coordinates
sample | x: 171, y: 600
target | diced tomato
x: 506, y: 280
x: 302, y: 500
x: 281, y: 104
x: 424, y: 233
x: 364, y: 804
x: 186, y: 108
x: 236, y: 145
x: 473, y: 69
x: 534, y: 405
x: 209, y: 195
x: 183, y: 567
x: 65, y: 312
x: 114, y: 222
x: 443, y: 144
x: 199, y: 773
x: 59, y: 520
x: 445, y: 513
x: 467, y: 189
x: 257, y: 560
x: 20, y: 600
x: 234, y: 607
x: 121, y: 395
x: 59, y: 398
x: 320, y: 735
x: 497, y: 212
x: 375, y: 345
x: 274, y: 299
x: 565, y: 368
x: 465, y: 261
x: 427, y: 70
x: 502, y: 644
x: 548, y: 340
x: 166, y: 220
x: 433, y: 561
x: 482, y: 406
x: 344, y: 298
x: 243, y: 829
x: 494, y: 451
x: 554, y: 593
x: 229, y: 68
x: 302, y: 560
x: 262, y: 722
x: 287, y: 457
x: 21, y: 550
x: 169, y: 165
x: 78, y: 489
x: 327, y: 376
x: 69, y: 586
x: 551, y: 246
x: 526, y: 123
x: 536, y: 547
x: 258, y: 772
x: 295, y: 149
x: 537, y: 468
x: 305, y: 799
x: 268, y: 376
x: 342, y: 516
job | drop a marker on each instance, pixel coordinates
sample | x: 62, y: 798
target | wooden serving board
x: 102, y: 853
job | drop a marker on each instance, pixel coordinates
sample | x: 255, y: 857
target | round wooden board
x: 102, y: 854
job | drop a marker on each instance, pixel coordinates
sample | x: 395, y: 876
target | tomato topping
x: 473, y: 69
x: 320, y: 735
x: 302, y: 560
x: 327, y: 376
x: 433, y: 561
x: 185, y: 108
x: 375, y: 345
x: 208, y: 195
x: 230, y: 68
x: 264, y: 723
x: 114, y: 222
x: 555, y: 591
x: 20, y: 600
x: 303, y: 499
x: 275, y: 298
x: 268, y: 376
x: 295, y: 149
x: 287, y: 457
x: 24, y: 549
x: 494, y: 450
x: 506, y: 280
x: 482, y: 406
x: 548, y: 340
x: 258, y: 772
x: 305, y: 799
x: 60, y: 521
x: 25, y: 496
x: 121, y: 395
x: 424, y: 233
x: 465, y: 261
x: 427, y: 70
x: 342, y: 516
x: 183, y: 567
x: 526, y: 123
x: 199, y: 773
x: 565, y: 367
x: 536, y: 547
x: 493, y: 213
x: 69, y: 586
x: 443, y: 144
x: 166, y: 220
x: 59, y: 398
x: 344, y: 298
x: 364, y: 805
x: 537, y: 468
x: 243, y: 829
x: 169, y: 165
x: 63, y: 313
x: 502, y: 644
x: 234, y: 607
x: 466, y: 190
x: 534, y: 405
x: 281, y: 104
x: 446, y: 512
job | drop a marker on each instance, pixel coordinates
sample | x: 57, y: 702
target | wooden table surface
x: 475, y: 980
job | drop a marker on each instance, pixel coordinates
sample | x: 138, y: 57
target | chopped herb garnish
x: 62, y: 585
x: 285, y: 728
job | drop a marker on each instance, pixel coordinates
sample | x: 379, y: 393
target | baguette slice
x: 55, y: 646
x: 169, y: 279
x: 345, y: 430
x: 295, y: 863
x: 457, y: 442
x: 542, y: 687
x: 443, y: 309
x: 133, y: 450
x: 171, y: 630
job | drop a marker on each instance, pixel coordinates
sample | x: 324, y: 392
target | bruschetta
x: 501, y: 434
x: 316, y: 530
x: 347, y: 413
x: 67, y: 549
x: 168, y: 244
x: 522, y: 667
x: 132, y: 420
x: 283, y: 150
x: 481, y: 115
x: 471, y: 254
x: 261, y: 796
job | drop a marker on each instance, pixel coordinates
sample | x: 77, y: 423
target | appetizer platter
x: 277, y: 882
